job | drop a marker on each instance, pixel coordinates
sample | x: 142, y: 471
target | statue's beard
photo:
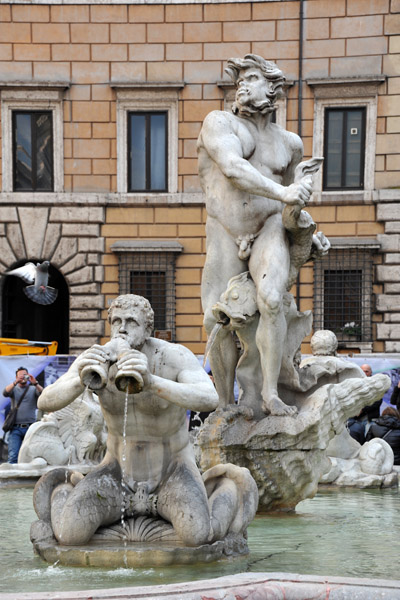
x: 245, y: 107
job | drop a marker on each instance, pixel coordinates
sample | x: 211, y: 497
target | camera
x: 26, y: 377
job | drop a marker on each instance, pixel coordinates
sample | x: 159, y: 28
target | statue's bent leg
x: 182, y: 501
x: 77, y: 512
x: 232, y: 497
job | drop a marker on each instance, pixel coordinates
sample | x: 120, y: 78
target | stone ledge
x: 353, y: 242
x: 387, y: 195
x: 58, y: 199
x: 241, y: 585
x: 146, y: 246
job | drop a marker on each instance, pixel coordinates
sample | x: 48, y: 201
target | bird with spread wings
x: 38, y: 276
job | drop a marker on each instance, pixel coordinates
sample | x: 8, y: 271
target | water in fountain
x: 336, y: 533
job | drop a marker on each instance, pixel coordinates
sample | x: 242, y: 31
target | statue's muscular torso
x: 156, y: 431
x: 270, y: 150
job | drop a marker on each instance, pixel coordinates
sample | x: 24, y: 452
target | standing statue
x: 258, y: 237
x: 145, y: 387
x: 255, y: 188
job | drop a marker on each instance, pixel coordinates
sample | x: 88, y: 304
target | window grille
x: 343, y: 294
x: 152, y: 275
x: 344, y: 148
x: 32, y: 151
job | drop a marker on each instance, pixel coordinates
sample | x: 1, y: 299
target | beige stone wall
x: 92, y: 45
x: 184, y: 224
x: 354, y: 221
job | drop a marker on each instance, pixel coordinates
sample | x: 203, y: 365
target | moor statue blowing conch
x: 255, y: 188
x: 145, y: 387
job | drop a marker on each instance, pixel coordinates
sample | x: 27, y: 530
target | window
x: 344, y: 148
x: 32, y: 137
x: 32, y: 151
x: 147, y: 133
x: 345, y: 118
x: 147, y: 151
x: 147, y: 268
x: 343, y: 294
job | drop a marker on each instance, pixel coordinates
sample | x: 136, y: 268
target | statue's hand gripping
x: 298, y: 193
x: 134, y: 363
x: 94, y: 356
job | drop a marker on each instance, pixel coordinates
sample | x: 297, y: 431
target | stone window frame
x: 31, y: 97
x: 346, y: 93
x: 369, y: 247
x: 141, y: 254
x: 147, y: 97
x: 229, y: 90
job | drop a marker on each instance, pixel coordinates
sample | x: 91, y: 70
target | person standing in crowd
x: 27, y: 386
x: 387, y: 427
x: 395, y: 397
x: 359, y: 425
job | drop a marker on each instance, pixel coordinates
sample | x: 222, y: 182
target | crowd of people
x: 369, y: 423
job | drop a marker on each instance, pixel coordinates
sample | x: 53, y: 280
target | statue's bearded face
x: 129, y: 325
x: 254, y: 92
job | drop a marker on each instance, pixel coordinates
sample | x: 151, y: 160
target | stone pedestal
x: 286, y: 455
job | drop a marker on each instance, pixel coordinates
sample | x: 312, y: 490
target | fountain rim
x: 245, y: 583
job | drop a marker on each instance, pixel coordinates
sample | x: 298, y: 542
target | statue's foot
x: 275, y: 407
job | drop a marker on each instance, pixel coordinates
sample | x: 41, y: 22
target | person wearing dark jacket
x: 387, y: 427
x: 395, y: 397
x: 359, y: 425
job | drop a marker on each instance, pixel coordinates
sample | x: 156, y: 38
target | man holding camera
x: 24, y: 390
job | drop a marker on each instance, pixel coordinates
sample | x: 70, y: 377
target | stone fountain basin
x: 133, y: 555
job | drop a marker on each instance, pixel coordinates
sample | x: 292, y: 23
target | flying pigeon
x: 38, y: 275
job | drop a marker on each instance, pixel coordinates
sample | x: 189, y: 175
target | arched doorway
x: 22, y: 318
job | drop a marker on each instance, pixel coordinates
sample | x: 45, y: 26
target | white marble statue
x: 255, y: 188
x: 351, y: 464
x: 371, y: 467
x: 73, y: 435
x: 149, y: 467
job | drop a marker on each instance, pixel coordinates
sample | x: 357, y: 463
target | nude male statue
x: 246, y: 168
x: 149, y: 464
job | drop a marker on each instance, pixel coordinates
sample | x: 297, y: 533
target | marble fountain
x: 148, y: 514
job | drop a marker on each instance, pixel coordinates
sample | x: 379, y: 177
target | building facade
x: 101, y: 107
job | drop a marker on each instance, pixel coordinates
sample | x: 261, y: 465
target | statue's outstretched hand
x: 95, y: 355
x: 135, y: 364
x: 298, y: 193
